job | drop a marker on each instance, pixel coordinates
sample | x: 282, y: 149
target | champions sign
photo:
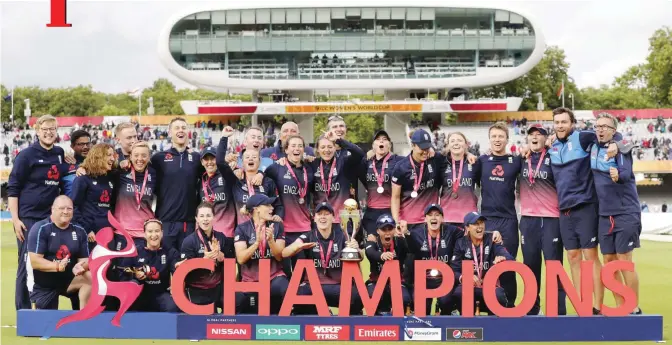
x: 128, y: 292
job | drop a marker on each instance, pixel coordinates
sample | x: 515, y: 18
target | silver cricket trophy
x: 350, y: 213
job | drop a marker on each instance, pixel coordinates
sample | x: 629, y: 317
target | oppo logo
x: 268, y: 331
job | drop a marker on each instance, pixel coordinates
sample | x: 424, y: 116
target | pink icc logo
x: 59, y: 14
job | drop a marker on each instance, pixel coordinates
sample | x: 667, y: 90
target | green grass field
x: 652, y: 261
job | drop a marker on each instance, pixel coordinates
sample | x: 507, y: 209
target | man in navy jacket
x: 34, y: 184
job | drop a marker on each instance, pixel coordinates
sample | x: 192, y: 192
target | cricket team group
x: 576, y: 191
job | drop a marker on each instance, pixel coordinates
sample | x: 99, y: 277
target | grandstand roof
x: 479, y: 77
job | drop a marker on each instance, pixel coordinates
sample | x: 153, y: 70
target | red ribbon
x: 531, y: 173
x: 380, y: 178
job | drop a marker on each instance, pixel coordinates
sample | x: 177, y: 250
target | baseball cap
x: 210, y: 150
x: 421, y: 138
x: 258, y: 200
x: 324, y: 206
x: 432, y: 207
x: 537, y: 127
x: 385, y: 220
x: 472, y: 218
x: 381, y: 132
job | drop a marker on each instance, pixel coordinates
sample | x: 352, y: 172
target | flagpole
x: 563, y: 93
x: 12, y: 104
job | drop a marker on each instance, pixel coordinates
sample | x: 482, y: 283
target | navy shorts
x: 46, y: 298
x: 619, y: 234
x: 578, y: 227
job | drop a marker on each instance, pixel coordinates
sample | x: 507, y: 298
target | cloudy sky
x: 112, y: 44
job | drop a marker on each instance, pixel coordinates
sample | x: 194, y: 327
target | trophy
x: 350, y: 213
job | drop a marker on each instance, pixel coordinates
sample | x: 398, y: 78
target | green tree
x: 659, y: 64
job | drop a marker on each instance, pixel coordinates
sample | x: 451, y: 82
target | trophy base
x: 351, y: 255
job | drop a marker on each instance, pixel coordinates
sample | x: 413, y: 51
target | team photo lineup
x: 575, y: 191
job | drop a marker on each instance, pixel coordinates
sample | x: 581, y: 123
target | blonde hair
x: 120, y: 127
x: 446, y: 149
x: 141, y: 144
x: 317, y: 145
x: 95, y: 162
x: 45, y: 118
x: 285, y: 144
x: 501, y: 126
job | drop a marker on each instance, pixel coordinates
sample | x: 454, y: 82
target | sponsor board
x: 229, y: 331
x: 377, y: 332
x: 327, y: 332
x: 422, y: 334
x: 278, y: 332
x: 464, y: 334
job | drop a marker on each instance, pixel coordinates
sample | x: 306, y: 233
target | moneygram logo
x: 229, y: 331
x: 422, y: 334
x: 278, y: 332
x: 464, y: 334
x: 377, y: 332
x: 323, y: 332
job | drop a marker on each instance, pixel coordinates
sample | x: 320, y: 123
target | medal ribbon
x: 532, y: 173
x: 138, y: 196
x: 302, y: 191
x: 429, y: 241
x: 250, y: 187
x: 200, y: 237
x: 205, y: 183
x: 479, y: 268
x: 327, y: 189
x: 391, y: 246
x: 418, y: 179
x: 458, y: 179
x: 262, y: 241
x: 380, y: 178
x: 324, y: 259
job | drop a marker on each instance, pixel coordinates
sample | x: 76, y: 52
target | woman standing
x: 332, y: 181
x: 459, y: 179
x: 242, y: 189
x: 204, y: 286
x: 260, y: 238
x: 93, y: 193
x: 293, y: 180
x: 375, y: 173
x: 135, y: 194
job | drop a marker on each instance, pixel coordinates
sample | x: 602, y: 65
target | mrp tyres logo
x: 327, y: 332
x: 464, y: 334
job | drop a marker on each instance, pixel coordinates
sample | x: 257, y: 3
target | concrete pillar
x: 304, y: 95
x: 306, y: 127
x: 396, y: 126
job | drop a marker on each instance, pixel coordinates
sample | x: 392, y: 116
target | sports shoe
x: 596, y: 311
x: 638, y: 312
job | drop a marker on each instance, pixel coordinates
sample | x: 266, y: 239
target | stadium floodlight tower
x: 407, y: 52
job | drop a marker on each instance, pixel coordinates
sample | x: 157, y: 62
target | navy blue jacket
x: 35, y: 180
x: 161, y: 266
x: 92, y: 198
x: 178, y: 174
x: 463, y: 251
x: 614, y: 197
x: 68, y: 174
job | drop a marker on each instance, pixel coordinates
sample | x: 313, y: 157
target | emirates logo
x: 498, y: 171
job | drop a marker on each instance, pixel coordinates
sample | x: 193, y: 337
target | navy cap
x: 385, y: 220
x: 537, y: 127
x: 324, y: 206
x: 381, y: 132
x: 472, y: 218
x: 421, y: 138
x: 432, y: 207
x: 209, y: 150
x: 258, y: 200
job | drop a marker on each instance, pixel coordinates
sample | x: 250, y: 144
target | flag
x: 7, y: 98
x: 134, y: 93
x: 561, y: 90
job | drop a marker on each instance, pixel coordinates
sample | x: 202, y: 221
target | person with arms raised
x: 58, y: 254
x: 324, y: 245
x: 485, y: 251
x: 178, y: 171
x: 249, y: 184
x: 34, y: 183
x: 261, y: 237
x: 498, y: 197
